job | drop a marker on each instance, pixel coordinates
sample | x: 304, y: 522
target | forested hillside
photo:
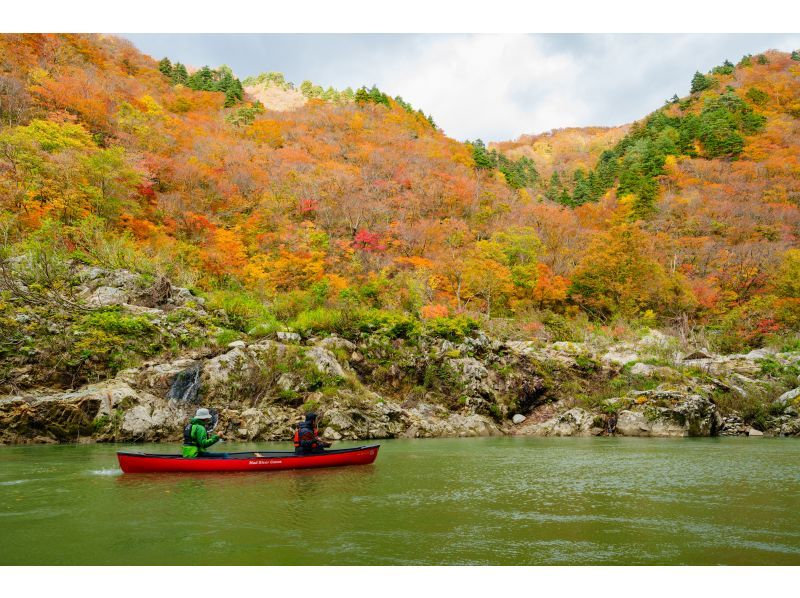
x: 352, y: 212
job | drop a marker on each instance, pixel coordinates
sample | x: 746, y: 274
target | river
x: 500, y: 501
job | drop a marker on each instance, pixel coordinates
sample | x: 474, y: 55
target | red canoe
x: 254, y: 461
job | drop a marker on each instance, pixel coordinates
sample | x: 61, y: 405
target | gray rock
x: 760, y: 353
x: 104, y: 296
x: 619, y: 356
x: 237, y: 345
x: 656, y: 339
x: 335, y: 342
x: 575, y: 422
x: 787, y: 398
x: 288, y: 337
x: 698, y: 355
x: 155, y: 379
x: 325, y: 361
x: 474, y: 375
x: 569, y: 347
x: 636, y: 423
x: 151, y: 420
x: 754, y: 432
x: 518, y: 418
x: 138, y: 310
x: 653, y: 371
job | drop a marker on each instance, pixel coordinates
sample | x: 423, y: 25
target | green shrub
x: 311, y: 405
x: 243, y: 310
x: 227, y: 336
x: 388, y: 323
x: 314, y: 321
x: 114, y: 321
x: 451, y: 328
x: 287, y: 306
x: 265, y: 328
x: 560, y: 328
x: 758, y: 97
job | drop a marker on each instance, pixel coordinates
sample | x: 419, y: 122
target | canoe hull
x: 267, y: 461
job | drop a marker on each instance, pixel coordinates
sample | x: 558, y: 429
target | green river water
x: 499, y: 501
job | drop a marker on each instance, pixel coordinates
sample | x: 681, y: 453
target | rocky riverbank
x: 372, y: 386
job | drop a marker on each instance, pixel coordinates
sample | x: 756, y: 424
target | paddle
x: 214, y: 421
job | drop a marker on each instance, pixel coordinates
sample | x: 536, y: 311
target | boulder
x: 654, y: 371
x: 156, y: 378
x: 472, y: 425
x: 383, y: 419
x: 240, y: 362
x: 335, y: 342
x: 655, y: 339
x: 518, y: 418
x: 62, y: 417
x: 788, y: 398
x: 569, y: 347
x: 669, y: 413
x: 575, y: 422
x: 325, y: 361
x: 760, y: 354
x: 620, y: 355
x: 104, y: 296
x: 754, y: 432
x: 698, y: 355
x: 272, y: 423
x: 473, y: 374
x: 152, y: 419
x: 733, y: 425
x: 288, y: 337
x: 220, y: 368
x: 636, y: 423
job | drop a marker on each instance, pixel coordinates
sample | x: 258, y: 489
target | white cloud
x: 488, y: 86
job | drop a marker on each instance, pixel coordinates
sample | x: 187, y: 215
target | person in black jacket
x: 306, y: 437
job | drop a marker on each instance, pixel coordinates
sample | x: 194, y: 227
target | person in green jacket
x: 195, y: 435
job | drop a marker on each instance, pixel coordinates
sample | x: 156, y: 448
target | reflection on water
x: 455, y: 501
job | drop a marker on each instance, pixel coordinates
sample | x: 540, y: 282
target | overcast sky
x: 493, y: 87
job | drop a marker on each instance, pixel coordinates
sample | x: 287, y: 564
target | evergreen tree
x: 700, y: 82
x: 165, y: 66
x: 362, y: 97
x: 202, y: 80
x: 553, y: 192
x: 483, y: 159
x: 377, y: 96
x: 581, y: 190
x: 179, y: 74
x: 725, y: 69
x: 795, y: 54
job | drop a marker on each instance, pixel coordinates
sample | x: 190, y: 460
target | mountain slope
x: 338, y: 210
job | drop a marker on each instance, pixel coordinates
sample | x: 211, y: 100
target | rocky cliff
x: 372, y: 386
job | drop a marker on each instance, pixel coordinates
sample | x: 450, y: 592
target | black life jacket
x: 188, y: 437
x: 305, y: 436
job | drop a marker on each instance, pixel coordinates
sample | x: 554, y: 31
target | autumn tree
x: 619, y: 275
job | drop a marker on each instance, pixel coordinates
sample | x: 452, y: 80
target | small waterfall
x: 186, y: 386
